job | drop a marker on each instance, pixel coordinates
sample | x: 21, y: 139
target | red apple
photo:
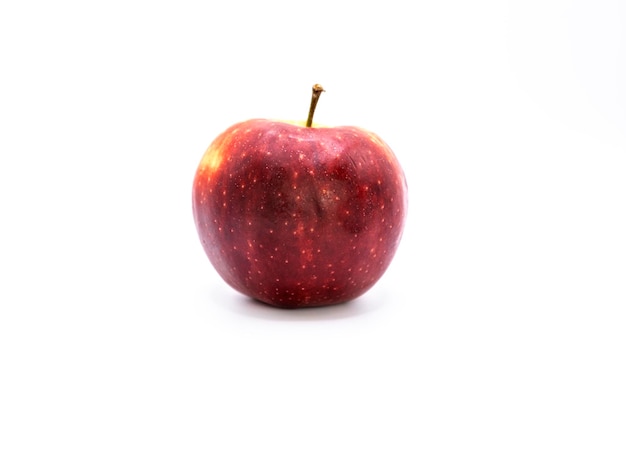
x: 296, y: 215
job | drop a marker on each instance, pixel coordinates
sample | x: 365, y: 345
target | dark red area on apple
x: 295, y: 216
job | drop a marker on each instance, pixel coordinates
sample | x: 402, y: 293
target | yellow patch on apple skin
x: 212, y: 158
x: 301, y: 123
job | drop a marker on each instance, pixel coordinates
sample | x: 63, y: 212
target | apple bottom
x: 302, y: 272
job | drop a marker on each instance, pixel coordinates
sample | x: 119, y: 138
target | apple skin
x: 299, y: 216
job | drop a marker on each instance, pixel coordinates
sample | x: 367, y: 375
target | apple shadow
x: 247, y: 306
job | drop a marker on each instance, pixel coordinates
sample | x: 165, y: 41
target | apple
x: 296, y: 214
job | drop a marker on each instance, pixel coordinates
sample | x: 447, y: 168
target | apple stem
x: 317, y: 91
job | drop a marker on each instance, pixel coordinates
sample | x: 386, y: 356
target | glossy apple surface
x: 299, y: 216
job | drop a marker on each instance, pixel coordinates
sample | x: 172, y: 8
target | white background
x: 501, y: 324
